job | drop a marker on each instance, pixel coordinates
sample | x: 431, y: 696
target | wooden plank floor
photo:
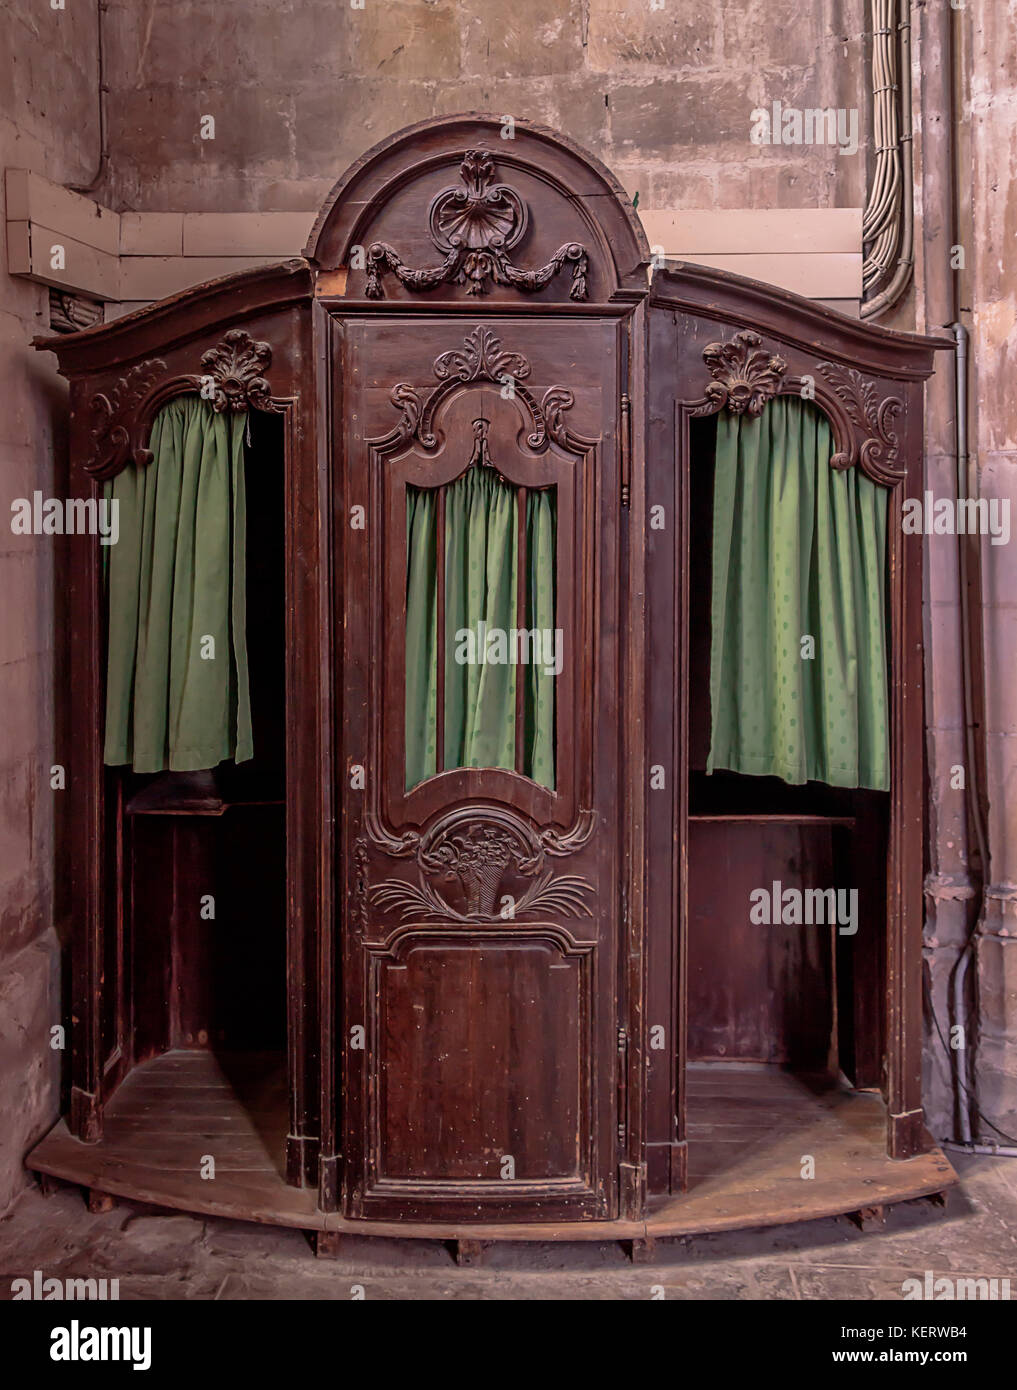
x: 169, y: 1116
x: 750, y: 1128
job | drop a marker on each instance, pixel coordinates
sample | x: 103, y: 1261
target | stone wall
x: 48, y: 122
x: 301, y: 88
x: 991, y: 112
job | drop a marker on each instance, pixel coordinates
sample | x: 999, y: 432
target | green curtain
x: 798, y: 550
x: 481, y: 559
x: 176, y: 578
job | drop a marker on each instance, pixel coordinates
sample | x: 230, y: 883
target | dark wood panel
x: 758, y: 992
x: 483, y: 1058
x: 424, y: 1135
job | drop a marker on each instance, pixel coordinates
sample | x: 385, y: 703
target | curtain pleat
x: 539, y: 706
x: 176, y: 579
x: 480, y: 586
x: 799, y: 550
x: 481, y: 559
x: 421, y: 635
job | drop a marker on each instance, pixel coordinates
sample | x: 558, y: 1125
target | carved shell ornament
x: 474, y: 227
x: 468, y: 865
x: 746, y: 376
x: 236, y: 367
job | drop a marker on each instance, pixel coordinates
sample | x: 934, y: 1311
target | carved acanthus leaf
x: 866, y: 430
x: 481, y: 358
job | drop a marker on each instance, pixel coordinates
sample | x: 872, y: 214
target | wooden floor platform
x: 751, y: 1129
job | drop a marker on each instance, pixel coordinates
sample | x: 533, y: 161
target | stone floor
x: 160, y: 1255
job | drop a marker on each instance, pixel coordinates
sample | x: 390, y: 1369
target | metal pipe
x: 100, y: 10
x: 960, y: 973
x: 997, y: 1150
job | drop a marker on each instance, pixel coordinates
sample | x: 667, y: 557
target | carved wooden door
x: 479, y: 904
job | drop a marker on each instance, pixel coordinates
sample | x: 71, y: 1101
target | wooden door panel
x: 494, y: 1036
x: 487, y: 1034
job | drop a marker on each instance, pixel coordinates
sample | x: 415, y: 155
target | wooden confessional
x: 365, y: 1038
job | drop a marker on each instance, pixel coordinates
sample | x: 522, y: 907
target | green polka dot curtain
x: 481, y: 559
x: 177, y: 692
x: 799, y: 551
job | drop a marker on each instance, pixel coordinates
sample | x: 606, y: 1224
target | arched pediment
x: 451, y: 209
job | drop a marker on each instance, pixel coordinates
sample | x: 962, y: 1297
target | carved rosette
x: 480, y: 359
x: 863, y: 423
x: 236, y: 367
x: 474, y: 227
x: 473, y: 860
x: 745, y: 374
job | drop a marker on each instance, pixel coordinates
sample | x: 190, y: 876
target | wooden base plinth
x: 764, y: 1148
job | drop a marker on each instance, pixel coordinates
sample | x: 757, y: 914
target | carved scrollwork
x: 474, y: 227
x: 121, y: 420
x: 745, y: 374
x: 557, y: 842
x: 557, y: 399
x: 360, y: 866
x: 474, y: 859
x: 236, y: 367
x: 482, y: 358
x: 863, y: 423
x: 115, y: 430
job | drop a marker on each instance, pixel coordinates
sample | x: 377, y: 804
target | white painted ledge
x: 137, y: 257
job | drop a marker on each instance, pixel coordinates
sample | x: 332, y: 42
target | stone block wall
x: 663, y: 92
x: 48, y: 122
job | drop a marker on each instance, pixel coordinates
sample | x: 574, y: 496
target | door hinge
x: 623, y: 1088
x: 625, y: 426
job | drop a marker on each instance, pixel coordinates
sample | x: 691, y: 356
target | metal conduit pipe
x: 889, y: 215
x: 880, y: 218
x: 996, y: 1150
x: 102, y: 90
x: 960, y: 972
